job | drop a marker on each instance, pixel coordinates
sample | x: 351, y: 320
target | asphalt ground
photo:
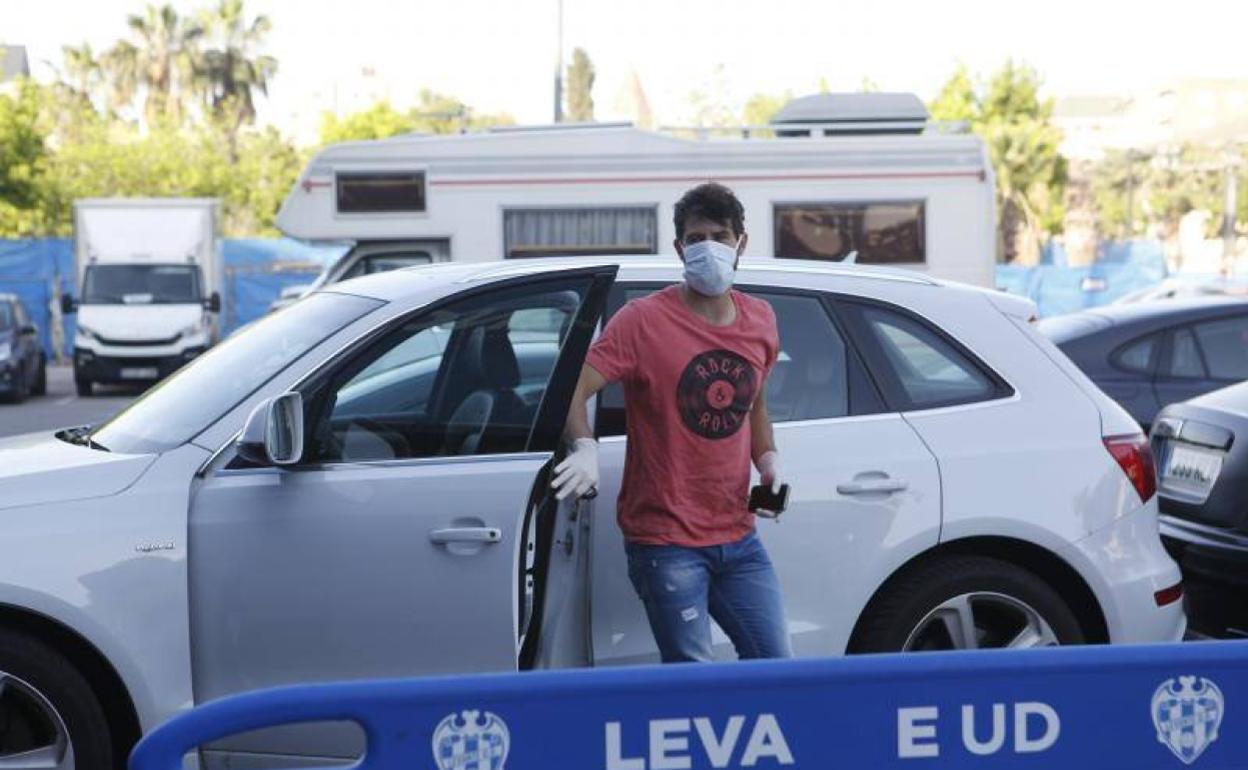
x: 62, y: 408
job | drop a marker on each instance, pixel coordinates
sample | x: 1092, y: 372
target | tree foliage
x: 434, y: 113
x: 580, y: 87
x: 1007, y: 112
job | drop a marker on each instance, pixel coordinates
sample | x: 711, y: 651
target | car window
x: 1185, y: 356
x: 811, y: 377
x: 381, y: 263
x: 186, y: 403
x: 1138, y: 356
x: 466, y: 379
x: 1225, y: 344
x: 6, y: 316
x: 929, y: 370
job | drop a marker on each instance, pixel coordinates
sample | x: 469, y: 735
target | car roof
x: 399, y: 283
x: 1138, y: 314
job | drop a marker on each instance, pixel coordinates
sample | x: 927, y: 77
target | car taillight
x: 1136, y: 460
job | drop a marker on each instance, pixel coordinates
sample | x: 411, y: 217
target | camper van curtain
x: 562, y: 232
x: 883, y: 233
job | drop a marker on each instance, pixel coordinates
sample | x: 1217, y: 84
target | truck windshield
x: 174, y: 411
x: 141, y: 284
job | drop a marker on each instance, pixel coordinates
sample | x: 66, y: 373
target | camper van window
x: 381, y: 193
x: 572, y: 231
x: 883, y: 233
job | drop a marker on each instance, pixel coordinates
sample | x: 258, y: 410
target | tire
x: 927, y: 607
x: 83, y: 387
x: 47, y: 704
x: 40, y: 387
x: 21, y: 388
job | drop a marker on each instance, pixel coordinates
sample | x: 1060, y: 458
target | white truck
x: 149, y: 274
x: 832, y: 175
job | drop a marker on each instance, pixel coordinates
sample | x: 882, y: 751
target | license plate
x: 1191, y: 469
x: 140, y: 373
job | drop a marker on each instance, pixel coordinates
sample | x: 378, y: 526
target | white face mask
x: 710, y: 267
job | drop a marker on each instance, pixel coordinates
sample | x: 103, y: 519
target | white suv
x: 358, y: 486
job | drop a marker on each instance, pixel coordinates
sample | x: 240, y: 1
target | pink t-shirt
x: 688, y: 389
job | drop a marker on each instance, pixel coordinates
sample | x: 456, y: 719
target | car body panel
x: 37, y: 465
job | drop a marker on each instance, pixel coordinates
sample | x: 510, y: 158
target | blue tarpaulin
x: 1130, y: 707
x: 256, y: 270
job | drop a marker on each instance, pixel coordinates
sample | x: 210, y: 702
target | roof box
x: 853, y: 114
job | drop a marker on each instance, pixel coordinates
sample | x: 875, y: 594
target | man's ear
x: 745, y: 238
x: 680, y: 249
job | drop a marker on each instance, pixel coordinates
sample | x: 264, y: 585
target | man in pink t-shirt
x: 693, y: 360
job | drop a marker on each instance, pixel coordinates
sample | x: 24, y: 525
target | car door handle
x: 872, y: 487
x: 467, y: 535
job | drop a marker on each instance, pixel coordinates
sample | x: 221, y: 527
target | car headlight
x: 86, y: 333
x: 6, y: 350
x: 193, y: 329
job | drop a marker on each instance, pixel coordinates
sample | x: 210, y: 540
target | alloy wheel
x: 33, y: 735
x: 981, y: 620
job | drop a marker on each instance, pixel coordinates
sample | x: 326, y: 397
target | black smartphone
x: 762, y: 499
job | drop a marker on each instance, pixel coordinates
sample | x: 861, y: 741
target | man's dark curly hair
x: 713, y: 202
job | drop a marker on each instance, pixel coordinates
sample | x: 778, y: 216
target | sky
x: 500, y: 55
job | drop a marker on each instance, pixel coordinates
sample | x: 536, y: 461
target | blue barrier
x: 1110, y: 708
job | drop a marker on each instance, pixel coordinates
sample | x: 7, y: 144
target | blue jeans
x: 684, y: 588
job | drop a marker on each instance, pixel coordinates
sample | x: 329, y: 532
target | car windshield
x: 141, y: 284
x: 174, y: 411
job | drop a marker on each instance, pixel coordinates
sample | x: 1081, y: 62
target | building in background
x: 1211, y: 111
x: 14, y: 64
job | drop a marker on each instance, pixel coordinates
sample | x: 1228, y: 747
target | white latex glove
x: 578, y: 473
x: 769, y: 470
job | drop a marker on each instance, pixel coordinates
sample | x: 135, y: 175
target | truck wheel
x: 965, y: 602
x: 83, y: 386
x: 49, y: 716
x: 40, y: 387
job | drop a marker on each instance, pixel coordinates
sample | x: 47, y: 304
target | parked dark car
x: 1201, y: 449
x: 23, y: 368
x: 1149, y: 354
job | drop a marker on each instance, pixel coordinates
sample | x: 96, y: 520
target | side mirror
x: 273, y: 434
x: 213, y: 303
x: 68, y: 305
x: 28, y: 330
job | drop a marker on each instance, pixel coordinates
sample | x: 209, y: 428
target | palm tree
x: 162, y: 61
x: 82, y: 71
x: 232, y: 70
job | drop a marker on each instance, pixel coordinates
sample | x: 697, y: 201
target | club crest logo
x: 1187, y: 716
x: 715, y: 393
x: 471, y: 740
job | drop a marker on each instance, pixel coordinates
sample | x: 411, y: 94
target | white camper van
x: 833, y: 175
x: 149, y: 276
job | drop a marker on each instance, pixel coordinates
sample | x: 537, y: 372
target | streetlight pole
x: 559, y: 66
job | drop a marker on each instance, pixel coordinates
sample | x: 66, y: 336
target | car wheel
x: 21, y: 388
x: 49, y: 716
x: 83, y: 386
x: 965, y: 602
x: 40, y: 387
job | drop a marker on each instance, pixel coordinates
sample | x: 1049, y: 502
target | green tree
x: 162, y: 63
x: 23, y: 159
x: 580, y: 87
x: 1016, y: 126
x: 434, y: 113
x: 761, y: 108
x: 231, y: 70
x: 81, y: 72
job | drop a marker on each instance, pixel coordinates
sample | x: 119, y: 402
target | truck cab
x: 148, y: 278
